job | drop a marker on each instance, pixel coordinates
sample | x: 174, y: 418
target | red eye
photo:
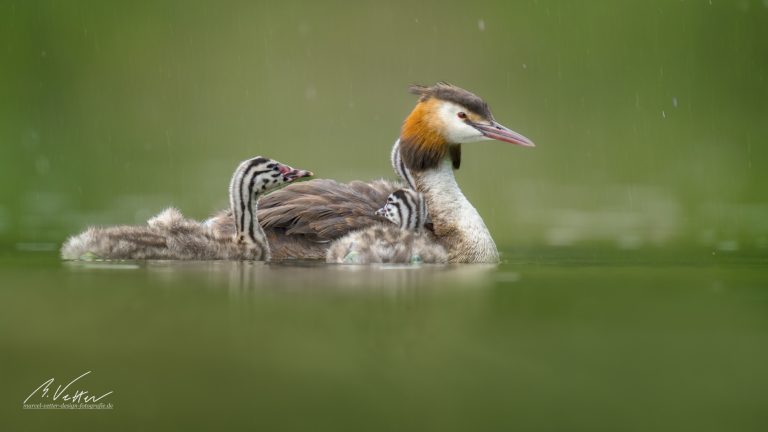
x: 462, y: 115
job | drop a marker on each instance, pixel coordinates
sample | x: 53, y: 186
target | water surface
x: 551, y: 339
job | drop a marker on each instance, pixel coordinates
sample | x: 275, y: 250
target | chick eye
x: 462, y: 115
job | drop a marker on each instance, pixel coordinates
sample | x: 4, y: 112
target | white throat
x: 456, y: 222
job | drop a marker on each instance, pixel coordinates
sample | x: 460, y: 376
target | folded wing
x: 324, y: 210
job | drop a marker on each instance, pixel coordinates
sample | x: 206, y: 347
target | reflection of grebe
x: 170, y: 235
x: 313, y: 277
x: 301, y: 220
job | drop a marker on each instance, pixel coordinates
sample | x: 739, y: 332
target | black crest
x: 451, y: 93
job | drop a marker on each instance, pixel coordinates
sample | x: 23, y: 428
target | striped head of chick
x: 251, y: 179
x: 258, y: 175
x: 405, y: 208
x: 445, y: 117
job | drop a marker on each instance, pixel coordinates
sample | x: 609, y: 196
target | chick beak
x: 291, y: 174
x: 499, y: 132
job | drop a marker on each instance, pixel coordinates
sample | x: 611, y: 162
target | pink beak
x: 502, y: 133
x: 292, y: 174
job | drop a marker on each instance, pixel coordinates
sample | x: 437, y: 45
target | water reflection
x: 243, y: 277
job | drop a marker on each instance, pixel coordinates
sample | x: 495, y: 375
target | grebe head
x: 445, y: 117
x: 260, y: 174
x: 252, y: 178
x: 405, y: 208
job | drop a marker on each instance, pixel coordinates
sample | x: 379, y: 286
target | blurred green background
x: 634, y: 237
x: 650, y: 117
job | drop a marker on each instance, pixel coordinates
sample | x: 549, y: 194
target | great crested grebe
x: 301, y: 220
x: 169, y: 235
x: 404, y: 240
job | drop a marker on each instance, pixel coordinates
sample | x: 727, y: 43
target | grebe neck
x: 456, y: 222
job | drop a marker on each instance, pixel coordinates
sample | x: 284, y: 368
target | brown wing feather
x: 301, y: 219
x: 324, y: 209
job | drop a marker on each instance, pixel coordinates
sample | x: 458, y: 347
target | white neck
x: 457, y: 224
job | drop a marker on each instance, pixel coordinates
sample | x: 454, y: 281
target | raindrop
x: 481, y: 24
x: 744, y: 5
x: 728, y: 246
x: 663, y: 114
x: 42, y: 165
x: 310, y: 93
x: 31, y: 139
x: 674, y: 102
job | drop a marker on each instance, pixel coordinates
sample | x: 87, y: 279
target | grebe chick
x: 404, y: 239
x: 170, y: 235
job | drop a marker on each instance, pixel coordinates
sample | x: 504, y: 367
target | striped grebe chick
x: 171, y: 236
x: 404, y: 239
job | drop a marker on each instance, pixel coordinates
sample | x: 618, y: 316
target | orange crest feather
x: 422, y: 146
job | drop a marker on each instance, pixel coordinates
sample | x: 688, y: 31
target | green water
x: 578, y: 340
x: 632, y: 296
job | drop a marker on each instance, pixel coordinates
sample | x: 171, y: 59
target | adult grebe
x: 301, y: 220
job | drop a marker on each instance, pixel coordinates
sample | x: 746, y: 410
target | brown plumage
x: 325, y: 209
x: 301, y: 219
x: 422, y: 145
